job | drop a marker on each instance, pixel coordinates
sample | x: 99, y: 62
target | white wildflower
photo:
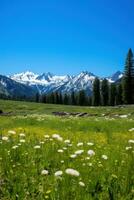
x: 90, y: 144
x: 73, y: 156
x: 131, y: 141
x: 128, y: 148
x: 79, y: 152
x: 15, y: 147
x: 44, y: 172
x: 67, y: 141
x: 72, y: 172
x: 91, y: 152
x: 58, y: 173
x: 11, y: 132
x: 80, y: 144
x: 22, y: 141
x: 81, y: 184
x: 104, y: 157
x: 37, y: 147
x: 60, y: 151
x: 4, y: 138
x: 22, y: 135
x: 46, y: 136
x: 131, y: 129
x: 57, y: 137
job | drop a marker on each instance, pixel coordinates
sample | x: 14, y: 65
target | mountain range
x: 29, y: 83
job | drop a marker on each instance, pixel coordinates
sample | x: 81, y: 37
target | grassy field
x: 66, y: 158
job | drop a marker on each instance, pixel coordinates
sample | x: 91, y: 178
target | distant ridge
x: 28, y: 83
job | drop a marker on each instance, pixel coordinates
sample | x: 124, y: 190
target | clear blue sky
x: 65, y: 36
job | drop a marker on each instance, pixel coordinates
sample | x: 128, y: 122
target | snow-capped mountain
x: 115, y: 77
x: 48, y: 82
x: 28, y: 83
x: 10, y: 87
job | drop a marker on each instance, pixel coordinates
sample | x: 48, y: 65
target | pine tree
x: 52, y: 98
x: 112, y: 95
x: 60, y: 98
x: 104, y: 92
x: 96, y: 92
x: 43, y: 98
x: 73, y: 98
x: 56, y: 98
x: 119, y: 98
x: 66, y: 99
x: 128, y: 79
x: 82, y: 98
x: 37, y: 97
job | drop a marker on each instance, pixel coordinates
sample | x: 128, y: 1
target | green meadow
x: 43, y: 156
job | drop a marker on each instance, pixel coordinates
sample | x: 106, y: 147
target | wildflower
x: 22, y: 135
x: 78, y: 152
x: 57, y: 137
x: 44, y: 172
x: 91, y: 152
x: 73, y: 156
x: 62, y: 161
x: 67, y: 141
x: 81, y: 184
x: 65, y: 148
x: 104, y: 157
x: 70, y: 145
x: 58, y: 173
x: 90, y: 164
x: 46, y: 136
x: 128, y: 148
x: 22, y: 141
x: 4, y: 138
x: 11, y: 132
x: 131, y: 129
x: 80, y: 144
x: 42, y: 142
x: 60, y: 151
x: 90, y: 144
x: 114, y: 176
x: 37, y: 147
x: 15, y: 147
x: 72, y: 172
x: 87, y: 158
x: 131, y: 141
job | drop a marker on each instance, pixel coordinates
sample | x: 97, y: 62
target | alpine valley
x: 28, y: 84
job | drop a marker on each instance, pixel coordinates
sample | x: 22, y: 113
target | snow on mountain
x: 115, y: 77
x: 48, y: 82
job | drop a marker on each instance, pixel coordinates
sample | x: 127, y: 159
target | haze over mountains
x: 28, y: 83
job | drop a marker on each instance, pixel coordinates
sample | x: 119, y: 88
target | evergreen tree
x: 82, y: 98
x: 119, y: 99
x: 37, y: 97
x: 56, y: 98
x: 104, y: 92
x: 52, y: 98
x: 66, y: 99
x: 60, y: 98
x: 73, y: 98
x: 96, y: 92
x: 112, y: 95
x: 128, y: 79
x: 43, y: 98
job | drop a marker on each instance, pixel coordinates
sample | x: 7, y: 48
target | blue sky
x: 65, y: 36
